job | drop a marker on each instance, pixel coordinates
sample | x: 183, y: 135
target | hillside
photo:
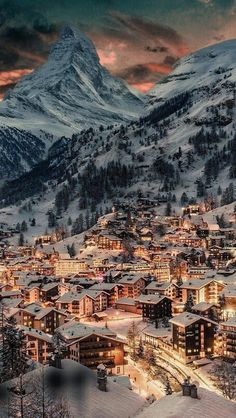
x: 183, y: 147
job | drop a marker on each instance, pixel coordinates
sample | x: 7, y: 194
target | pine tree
x: 21, y: 240
x: 200, y: 188
x: 150, y: 356
x: 12, y: 349
x: 168, y: 209
x: 71, y: 250
x: 140, y: 351
x: 132, y: 336
x: 24, y: 227
x: 33, y: 222
x: 189, y: 303
x: 51, y: 219
x: 184, y: 199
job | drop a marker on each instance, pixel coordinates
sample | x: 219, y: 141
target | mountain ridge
x: 67, y: 94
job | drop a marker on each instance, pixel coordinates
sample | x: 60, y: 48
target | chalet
x: 78, y: 304
x: 95, y: 348
x: 140, y: 251
x: 100, y: 299
x: 207, y: 310
x: 48, y: 292
x: 192, y: 210
x: 228, y: 335
x: 192, y: 336
x: 229, y: 233
x: 85, y: 282
x: 155, y: 307
x: 31, y: 294
x: 165, y: 289
x: 197, y: 272
x: 228, y: 301
x: 38, y: 344
x: 215, y: 240
x: 44, y: 240
x: 133, y: 285
x: 128, y: 305
x: 35, y: 316
x: 109, y: 242
x: 115, y: 291
x: 205, y: 290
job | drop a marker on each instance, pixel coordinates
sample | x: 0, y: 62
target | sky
x: 137, y: 40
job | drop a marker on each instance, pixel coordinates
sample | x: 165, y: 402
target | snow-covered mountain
x: 209, y: 69
x: 72, y: 91
x: 184, y: 142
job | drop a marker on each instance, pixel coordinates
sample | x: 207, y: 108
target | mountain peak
x: 73, y: 45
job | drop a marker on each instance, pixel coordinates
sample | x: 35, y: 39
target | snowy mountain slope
x: 184, y: 142
x: 211, y: 67
x: 72, y: 91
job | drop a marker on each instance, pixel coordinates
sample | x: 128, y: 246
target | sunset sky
x: 138, y: 40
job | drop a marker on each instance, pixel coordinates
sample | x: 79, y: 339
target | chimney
x: 102, y: 377
x: 189, y: 389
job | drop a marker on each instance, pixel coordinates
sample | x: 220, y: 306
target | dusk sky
x: 138, y: 40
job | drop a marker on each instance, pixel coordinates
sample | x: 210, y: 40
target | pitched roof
x: 153, y: 299
x: 186, y: 318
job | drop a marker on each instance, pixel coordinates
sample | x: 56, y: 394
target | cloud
x: 137, y: 49
x: 8, y: 79
x: 25, y: 41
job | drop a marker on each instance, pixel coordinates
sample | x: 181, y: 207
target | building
x: 114, y: 290
x: 133, y: 285
x: 94, y: 349
x: 162, y: 272
x: 155, y: 307
x: 166, y: 289
x: 208, y: 310
x: 207, y: 290
x: 38, y: 344
x: 127, y: 305
x: 109, y: 242
x: 93, y: 345
x: 38, y: 317
x: 78, y: 304
x: 70, y: 266
x: 228, y: 301
x: 193, y: 336
x: 228, y: 338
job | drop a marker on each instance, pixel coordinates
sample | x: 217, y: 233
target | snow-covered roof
x: 196, y: 284
x: 188, y: 318
x: 202, y: 306
x: 36, y: 333
x: 156, y: 298
x: 73, y: 330
x: 209, y: 405
x: 126, y: 301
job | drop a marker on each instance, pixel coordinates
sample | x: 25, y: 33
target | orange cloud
x: 107, y: 57
x: 143, y: 87
x: 11, y: 77
x: 158, y: 68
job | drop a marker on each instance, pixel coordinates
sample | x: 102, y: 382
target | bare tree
x: 226, y: 379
